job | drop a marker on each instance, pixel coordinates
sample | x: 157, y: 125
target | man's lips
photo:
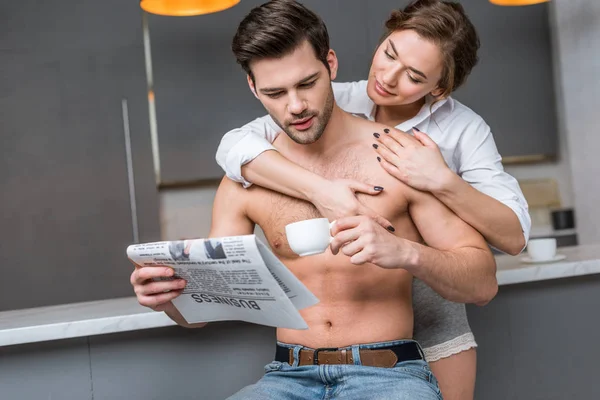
x: 303, y: 124
x: 301, y: 121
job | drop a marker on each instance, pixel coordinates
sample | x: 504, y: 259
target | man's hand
x: 416, y: 161
x: 338, y: 199
x: 156, y: 294
x: 365, y: 241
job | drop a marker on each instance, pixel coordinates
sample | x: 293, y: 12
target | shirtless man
x: 364, y: 318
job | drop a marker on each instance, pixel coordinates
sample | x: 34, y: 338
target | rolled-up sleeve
x: 242, y: 145
x: 481, y: 166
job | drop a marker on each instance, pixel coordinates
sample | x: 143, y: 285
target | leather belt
x: 383, y: 357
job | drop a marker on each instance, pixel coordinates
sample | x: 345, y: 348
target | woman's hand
x: 416, y: 161
x: 337, y: 199
x: 364, y: 241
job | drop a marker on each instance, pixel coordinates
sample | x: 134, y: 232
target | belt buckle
x: 316, y: 353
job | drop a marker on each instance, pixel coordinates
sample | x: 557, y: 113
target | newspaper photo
x: 230, y: 278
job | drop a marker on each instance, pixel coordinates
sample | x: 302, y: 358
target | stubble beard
x: 315, y: 132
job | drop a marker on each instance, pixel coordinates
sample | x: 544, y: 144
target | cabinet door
x: 65, y: 69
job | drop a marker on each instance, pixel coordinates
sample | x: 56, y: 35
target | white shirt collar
x: 426, y: 111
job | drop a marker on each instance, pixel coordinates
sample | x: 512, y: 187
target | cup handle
x: 330, y: 227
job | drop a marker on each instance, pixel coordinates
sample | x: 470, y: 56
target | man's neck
x: 335, y: 135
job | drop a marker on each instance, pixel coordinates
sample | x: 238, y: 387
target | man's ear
x: 333, y: 64
x: 251, y: 85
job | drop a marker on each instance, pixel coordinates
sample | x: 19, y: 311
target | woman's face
x: 405, y: 69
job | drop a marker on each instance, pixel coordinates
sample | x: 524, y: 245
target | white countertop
x: 125, y: 314
x: 580, y: 260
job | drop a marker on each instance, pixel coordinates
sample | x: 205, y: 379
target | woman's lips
x: 380, y: 90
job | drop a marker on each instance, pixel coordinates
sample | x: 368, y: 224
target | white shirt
x: 463, y: 137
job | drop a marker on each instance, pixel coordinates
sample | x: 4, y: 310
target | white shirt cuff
x: 524, y: 218
x: 250, y: 148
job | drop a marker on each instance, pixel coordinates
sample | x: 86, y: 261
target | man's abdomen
x: 358, y: 303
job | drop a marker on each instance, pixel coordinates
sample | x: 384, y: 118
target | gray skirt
x: 441, y: 326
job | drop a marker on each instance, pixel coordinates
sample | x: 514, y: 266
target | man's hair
x: 277, y: 28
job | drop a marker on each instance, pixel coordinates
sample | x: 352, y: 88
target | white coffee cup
x: 541, y: 249
x: 309, y: 237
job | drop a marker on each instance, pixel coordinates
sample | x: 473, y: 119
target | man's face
x: 296, y: 91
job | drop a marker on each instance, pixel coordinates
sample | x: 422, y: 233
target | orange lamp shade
x: 186, y: 8
x: 516, y: 2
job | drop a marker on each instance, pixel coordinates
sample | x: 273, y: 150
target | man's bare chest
x: 273, y: 211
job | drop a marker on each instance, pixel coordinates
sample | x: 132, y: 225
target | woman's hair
x: 446, y: 24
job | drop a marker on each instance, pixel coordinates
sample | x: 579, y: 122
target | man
x: 363, y: 323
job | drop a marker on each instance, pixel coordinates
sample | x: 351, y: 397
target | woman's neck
x: 395, y: 115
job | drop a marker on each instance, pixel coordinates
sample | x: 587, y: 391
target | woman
x: 428, y: 51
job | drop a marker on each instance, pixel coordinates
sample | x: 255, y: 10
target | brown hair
x: 446, y: 24
x: 275, y: 29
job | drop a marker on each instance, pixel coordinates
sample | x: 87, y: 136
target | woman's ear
x: 332, y: 61
x: 437, y: 92
x: 251, y: 85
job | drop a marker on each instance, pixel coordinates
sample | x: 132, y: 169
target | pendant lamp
x: 186, y: 8
x: 516, y: 2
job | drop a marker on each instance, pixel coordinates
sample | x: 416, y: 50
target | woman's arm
x: 487, y: 197
x: 484, y: 196
x: 496, y: 221
x: 240, y: 146
x: 245, y: 156
x: 333, y: 199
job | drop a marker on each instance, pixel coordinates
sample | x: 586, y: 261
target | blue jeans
x: 407, y: 380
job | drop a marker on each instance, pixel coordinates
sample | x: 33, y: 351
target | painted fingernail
x: 378, y: 188
x: 379, y: 159
x: 386, y: 130
x: 416, y: 129
x: 391, y: 229
x: 376, y: 135
x: 375, y: 145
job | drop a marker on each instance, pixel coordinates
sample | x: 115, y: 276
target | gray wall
x: 537, y: 341
x: 577, y: 27
x: 66, y: 218
x: 201, y: 92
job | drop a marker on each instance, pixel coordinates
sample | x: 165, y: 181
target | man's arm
x: 229, y: 219
x: 456, y: 263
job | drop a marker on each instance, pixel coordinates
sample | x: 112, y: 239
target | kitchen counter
x: 580, y: 260
x: 125, y: 314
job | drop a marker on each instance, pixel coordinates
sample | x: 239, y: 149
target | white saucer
x: 557, y: 257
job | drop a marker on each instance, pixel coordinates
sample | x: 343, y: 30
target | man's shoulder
x: 232, y: 189
x: 366, y: 125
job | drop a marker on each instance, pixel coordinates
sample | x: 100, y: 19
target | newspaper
x: 230, y: 278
